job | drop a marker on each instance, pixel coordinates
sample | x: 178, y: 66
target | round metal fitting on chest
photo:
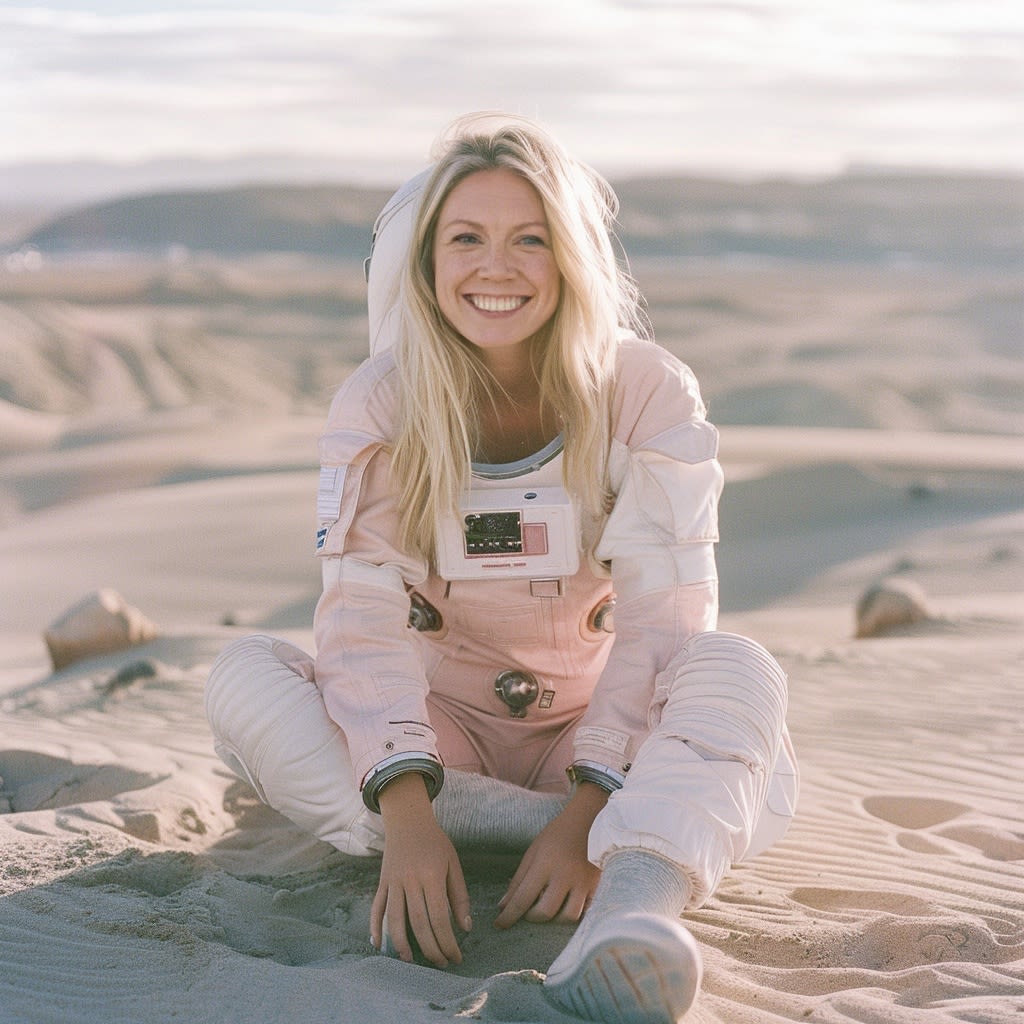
x: 517, y: 689
x: 423, y: 616
x: 602, y: 618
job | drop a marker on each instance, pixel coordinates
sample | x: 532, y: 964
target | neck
x: 512, y: 368
x: 512, y: 427
x: 514, y: 422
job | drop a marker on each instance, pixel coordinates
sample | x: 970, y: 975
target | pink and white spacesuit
x: 543, y: 641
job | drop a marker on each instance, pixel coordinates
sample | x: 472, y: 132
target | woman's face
x: 494, y: 273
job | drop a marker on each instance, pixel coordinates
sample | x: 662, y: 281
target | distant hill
x: 326, y: 220
x: 899, y: 219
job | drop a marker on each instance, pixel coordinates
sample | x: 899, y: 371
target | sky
x: 742, y: 87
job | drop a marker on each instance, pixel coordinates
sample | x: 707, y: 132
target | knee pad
x: 271, y: 727
x: 725, y: 696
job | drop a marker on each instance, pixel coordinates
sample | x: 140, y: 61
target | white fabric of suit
x: 693, y: 719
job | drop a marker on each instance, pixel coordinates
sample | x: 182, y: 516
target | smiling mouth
x: 497, y: 303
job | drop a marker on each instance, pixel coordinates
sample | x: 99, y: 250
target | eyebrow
x: 515, y: 227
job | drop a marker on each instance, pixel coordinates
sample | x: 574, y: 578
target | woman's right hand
x: 421, y: 881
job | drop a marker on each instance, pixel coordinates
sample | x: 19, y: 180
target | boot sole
x: 635, y: 969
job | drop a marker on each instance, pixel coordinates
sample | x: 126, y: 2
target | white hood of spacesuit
x: 392, y: 234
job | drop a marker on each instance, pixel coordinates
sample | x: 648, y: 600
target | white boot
x: 631, y: 961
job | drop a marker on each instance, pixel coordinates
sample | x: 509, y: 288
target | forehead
x: 497, y: 194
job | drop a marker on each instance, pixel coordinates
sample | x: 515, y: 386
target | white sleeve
x: 659, y: 542
x: 664, y: 524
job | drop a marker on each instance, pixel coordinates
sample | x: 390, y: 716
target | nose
x: 495, y: 263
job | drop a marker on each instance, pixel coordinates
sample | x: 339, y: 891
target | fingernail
x: 467, y: 923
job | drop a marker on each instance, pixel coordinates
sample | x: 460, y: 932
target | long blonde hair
x: 442, y: 380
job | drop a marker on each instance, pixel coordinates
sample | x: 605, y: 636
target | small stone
x: 891, y: 604
x: 101, y: 623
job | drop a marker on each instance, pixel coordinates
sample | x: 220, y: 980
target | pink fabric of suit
x: 697, y: 792
x: 375, y: 673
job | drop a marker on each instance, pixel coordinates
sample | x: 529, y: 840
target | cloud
x: 754, y: 83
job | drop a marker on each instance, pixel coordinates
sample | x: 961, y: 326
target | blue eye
x: 533, y: 240
x: 466, y: 238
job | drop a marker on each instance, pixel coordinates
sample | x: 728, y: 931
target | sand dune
x: 141, y: 883
x: 904, y: 449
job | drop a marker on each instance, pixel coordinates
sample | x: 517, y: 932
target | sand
x: 140, y: 882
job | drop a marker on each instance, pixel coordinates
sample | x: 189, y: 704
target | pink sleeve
x: 370, y: 675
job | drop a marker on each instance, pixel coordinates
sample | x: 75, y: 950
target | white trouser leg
x: 271, y: 728
x: 698, y: 791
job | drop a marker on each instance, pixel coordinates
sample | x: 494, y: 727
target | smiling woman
x: 516, y: 640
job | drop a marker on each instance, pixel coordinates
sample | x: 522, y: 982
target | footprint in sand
x: 886, y: 930
x: 994, y: 843
x: 913, y: 811
x: 927, y: 813
x: 867, y: 900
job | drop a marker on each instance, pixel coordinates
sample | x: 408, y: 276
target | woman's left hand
x: 554, y: 880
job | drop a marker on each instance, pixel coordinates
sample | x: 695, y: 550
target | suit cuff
x: 390, y: 768
x: 601, y: 775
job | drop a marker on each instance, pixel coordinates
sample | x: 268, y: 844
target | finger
x: 574, y: 907
x: 440, y: 914
x: 423, y: 928
x: 521, y: 874
x: 395, y: 916
x: 377, y: 908
x: 458, y: 898
x: 517, y: 902
x: 547, y: 906
x: 515, y: 894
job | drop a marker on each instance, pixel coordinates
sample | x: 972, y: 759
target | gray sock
x: 475, y: 810
x: 635, y: 880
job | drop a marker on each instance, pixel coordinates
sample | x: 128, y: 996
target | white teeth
x: 497, y: 303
